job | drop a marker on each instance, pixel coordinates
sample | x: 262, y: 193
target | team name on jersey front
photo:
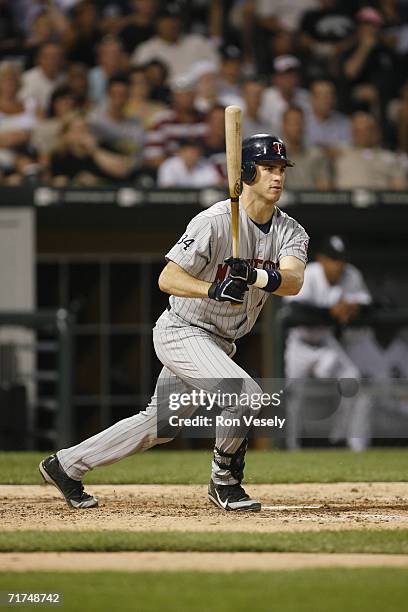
x: 207, y: 243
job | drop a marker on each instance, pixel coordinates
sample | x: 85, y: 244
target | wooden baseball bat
x: 233, y: 144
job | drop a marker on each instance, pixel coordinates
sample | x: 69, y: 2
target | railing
x: 129, y: 196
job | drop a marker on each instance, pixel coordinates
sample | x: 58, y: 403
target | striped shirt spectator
x: 177, y: 124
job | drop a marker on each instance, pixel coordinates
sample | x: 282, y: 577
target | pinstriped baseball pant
x: 191, y: 358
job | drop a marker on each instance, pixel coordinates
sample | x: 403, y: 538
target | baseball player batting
x: 214, y: 300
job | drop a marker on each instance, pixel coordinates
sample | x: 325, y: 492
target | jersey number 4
x: 186, y: 241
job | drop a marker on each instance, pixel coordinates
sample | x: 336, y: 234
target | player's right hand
x: 228, y: 290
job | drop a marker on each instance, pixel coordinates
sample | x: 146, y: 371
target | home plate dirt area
x: 185, y: 508
x: 286, y: 507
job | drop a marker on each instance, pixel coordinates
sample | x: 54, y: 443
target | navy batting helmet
x: 261, y: 148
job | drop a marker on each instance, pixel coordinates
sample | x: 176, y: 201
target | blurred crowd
x: 95, y: 92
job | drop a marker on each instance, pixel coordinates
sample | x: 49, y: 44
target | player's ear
x: 256, y: 174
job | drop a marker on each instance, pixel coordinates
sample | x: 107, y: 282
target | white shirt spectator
x: 274, y: 105
x: 26, y: 120
x: 179, y: 57
x: 287, y: 12
x: 174, y: 173
x: 334, y: 130
x: 37, y: 86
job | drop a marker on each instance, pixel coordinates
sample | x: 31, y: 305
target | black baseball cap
x: 334, y: 247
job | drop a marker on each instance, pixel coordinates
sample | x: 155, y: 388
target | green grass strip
x: 311, y: 590
x: 350, y: 541
x: 193, y: 467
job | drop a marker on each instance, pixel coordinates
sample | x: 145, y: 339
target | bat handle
x: 235, y: 231
x: 235, y: 226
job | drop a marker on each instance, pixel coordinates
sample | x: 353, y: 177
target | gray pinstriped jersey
x: 191, y: 354
x: 201, y: 252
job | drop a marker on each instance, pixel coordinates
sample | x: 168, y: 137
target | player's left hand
x: 241, y: 270
x: 229, y: 290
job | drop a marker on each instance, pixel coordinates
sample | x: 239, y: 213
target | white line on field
x: 291, y: 507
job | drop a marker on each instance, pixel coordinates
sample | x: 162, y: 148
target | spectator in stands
x: 282, y: 43
x: 42, y: 32
x: 214, y: 140
x: 230, y: 75
x: 111, y: 61
x: 205, y: 17
x: 312, y: 168
x: 205, y: 77
x: 262, y: 33
x: 157, y: 76
x: 395, y: 29
x: 41, y: 81
x: 84, y: 33
x: 324, y: 125
x: 49, y: 24
x: 27, y: 168
x: 139, y: 105
x: 325, y: 32
x: 252, y: 92
x: 80, y: 160
x: 188, y: 168
x: 138, y: 26
x: 282, y: 14
x: 17, y: 118
x: 113, y: 16
x: 25, y: 12
x: 170, y: 127
x: 364, y: 163
x: 369, y: 65
x: 110, y: 125
x: 284, y: 92
x: 77, y: 82
x: 46, y: 132
x: 177, y: 50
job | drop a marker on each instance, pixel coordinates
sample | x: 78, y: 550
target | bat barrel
x: 233, y: 143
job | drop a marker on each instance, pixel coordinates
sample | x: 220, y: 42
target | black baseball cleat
x: 72, y: 490
x: 232, y: 498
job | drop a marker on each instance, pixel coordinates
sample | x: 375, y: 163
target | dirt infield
x: 204, y: 561
x: 186, y: 508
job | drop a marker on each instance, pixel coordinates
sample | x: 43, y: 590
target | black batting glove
x: 229, y: 290
x: 241, y: 270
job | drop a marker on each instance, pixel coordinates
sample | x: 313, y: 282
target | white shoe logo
x: 222, y: 504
